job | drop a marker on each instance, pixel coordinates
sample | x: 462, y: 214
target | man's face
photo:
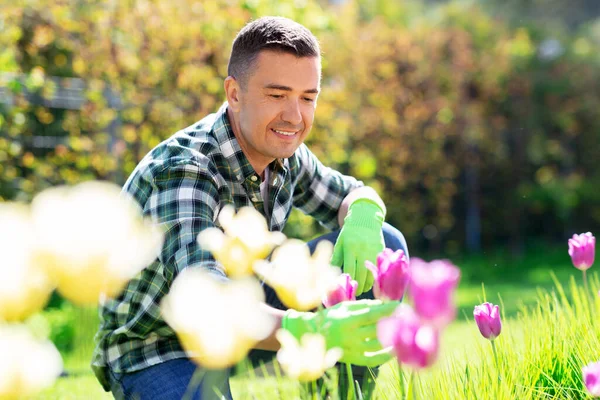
x: 277, y: 105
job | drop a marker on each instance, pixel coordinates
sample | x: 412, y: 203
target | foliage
x: 62, y: 327
x: 416, y: 101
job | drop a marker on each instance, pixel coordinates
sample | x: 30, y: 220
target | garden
x: 478, y: 124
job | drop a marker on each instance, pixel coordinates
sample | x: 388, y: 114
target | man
x: 249, y: 153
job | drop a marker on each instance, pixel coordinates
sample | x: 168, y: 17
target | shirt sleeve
x: 320, y: 190
x: 185, y: 201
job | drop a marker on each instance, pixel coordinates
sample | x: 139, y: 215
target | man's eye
x: 276, y: 96
x: 309, y: 99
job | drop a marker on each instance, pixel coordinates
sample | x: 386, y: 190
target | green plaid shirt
x: 182, y: 184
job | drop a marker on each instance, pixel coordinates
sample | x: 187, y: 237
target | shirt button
x: 254, y: 199
x: 253, y: 178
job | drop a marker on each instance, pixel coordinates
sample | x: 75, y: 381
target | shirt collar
x: 231, y: 150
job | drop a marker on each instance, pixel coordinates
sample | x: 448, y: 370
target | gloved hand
x: 350, y: 325
x: 360, y: 239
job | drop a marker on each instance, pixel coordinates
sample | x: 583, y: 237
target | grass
x: 514, y: 283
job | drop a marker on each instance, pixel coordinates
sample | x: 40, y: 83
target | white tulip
x: 26, y: 365
x: 24, y: 287
x: 307, y: 360
x: 92, y: 239
x: 217, y: 322
x: 245, y: 238
x: 299, y: 279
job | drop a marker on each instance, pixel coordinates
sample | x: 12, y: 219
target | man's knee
x: 394, y: 239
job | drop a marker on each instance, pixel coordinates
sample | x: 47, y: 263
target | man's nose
x: 292, y: 114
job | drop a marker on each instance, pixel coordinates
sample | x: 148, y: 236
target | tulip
x: 217, y: 322
x: 391, y: 275
x: 24, y: 288
x: 244, y: 239
x: 432, y: 286
x: 308, y: 360
x: 344, y: 291
x: 413, y: 342
x: 92, y: 240
x: 581, y: 249
x: 591, y: 378
x: 27, y: 365
x: 299, y: 279
x: 488, y: 320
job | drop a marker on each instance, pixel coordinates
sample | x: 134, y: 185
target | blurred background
x: 477, y: 121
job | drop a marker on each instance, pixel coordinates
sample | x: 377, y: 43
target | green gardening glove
x: 350, y: 325
x: 360, y: 239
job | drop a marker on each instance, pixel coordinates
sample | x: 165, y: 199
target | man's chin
x: 286, y: 153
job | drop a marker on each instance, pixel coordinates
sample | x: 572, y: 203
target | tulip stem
x: 194, y: 383
x: 585, y: 283
x: 401, y: 381
x: 496, y: 358
x: 319, y: 318
x: 350, y: 381
x: 413, y: 391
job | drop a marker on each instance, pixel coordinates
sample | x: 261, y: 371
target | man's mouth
x: 285, y: 133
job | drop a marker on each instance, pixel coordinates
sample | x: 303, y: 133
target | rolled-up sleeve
x: 184, y: 203
x: 320, y: 190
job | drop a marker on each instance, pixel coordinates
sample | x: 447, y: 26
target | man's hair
x: 269, y: 33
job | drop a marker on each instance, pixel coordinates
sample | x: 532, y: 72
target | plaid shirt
x: 182, y: 184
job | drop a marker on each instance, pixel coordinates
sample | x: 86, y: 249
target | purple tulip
x: 591, y: 378
x: 414, y: 343
x: 345, y: 290
x: 488, y: 320
x: 581, y: 249
x: 391, y: 274
x: 432, y: 286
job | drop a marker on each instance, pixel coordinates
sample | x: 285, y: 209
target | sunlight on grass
x: 79, y: 387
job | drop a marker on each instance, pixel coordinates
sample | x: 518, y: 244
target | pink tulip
x: 591, y: 378
x: 414, y: 343
x: 581, y: 249
x: 488, y: 321
x: 391, y: 274
x: 345, y: 290
x: 432, y: 286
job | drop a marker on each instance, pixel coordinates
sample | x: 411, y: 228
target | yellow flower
x: 26, y: 365
x: 92, y: 240
x: 246, y: 238
x: 307, y: 360
x: 217, y: 322
x: 24, y: 287
x: 300, y: 281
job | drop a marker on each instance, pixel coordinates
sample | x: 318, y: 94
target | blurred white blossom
x: 26, y: 364
x: 92, y: 239
x: 217, y: 322
x: 299, y: 279
x: 246, y: 238
x: 307, y: 360
x: 24, y: 287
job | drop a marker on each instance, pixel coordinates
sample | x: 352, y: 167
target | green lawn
x: 513, y: 283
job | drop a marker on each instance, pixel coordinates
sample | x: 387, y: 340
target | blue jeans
x: 170, y: 380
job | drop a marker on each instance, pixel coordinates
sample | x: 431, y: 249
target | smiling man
x: 249, y: 153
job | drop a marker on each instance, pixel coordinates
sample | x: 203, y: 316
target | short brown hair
x: 269, y: 33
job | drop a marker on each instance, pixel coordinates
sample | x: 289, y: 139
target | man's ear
x: 232, y: 91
